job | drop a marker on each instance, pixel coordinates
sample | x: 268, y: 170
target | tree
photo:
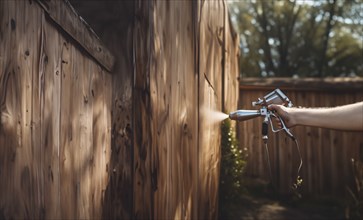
x: 297, y: 37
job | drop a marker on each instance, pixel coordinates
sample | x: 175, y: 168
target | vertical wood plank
x: 210, y: 97
x: 51, y: 69
x: 68, y: 128
x: 10, y: 115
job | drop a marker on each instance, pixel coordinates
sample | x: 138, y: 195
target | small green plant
x: 233, y: 162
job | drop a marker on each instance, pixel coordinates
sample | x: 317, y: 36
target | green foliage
x: 303, y: 38
x: 233, y: 163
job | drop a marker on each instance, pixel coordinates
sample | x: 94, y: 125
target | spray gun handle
x: 287, y: 131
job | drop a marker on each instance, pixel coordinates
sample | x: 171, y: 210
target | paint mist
x: 213, y: 116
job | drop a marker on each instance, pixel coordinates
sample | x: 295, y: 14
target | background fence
x: 327, y: 154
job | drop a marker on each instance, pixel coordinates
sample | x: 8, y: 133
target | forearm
x: 347, y: 117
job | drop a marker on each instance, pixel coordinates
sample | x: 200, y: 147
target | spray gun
x: 274, y: 97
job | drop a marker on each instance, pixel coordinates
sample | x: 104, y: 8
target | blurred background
x: 299, y: 38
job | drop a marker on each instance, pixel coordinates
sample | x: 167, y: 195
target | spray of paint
x: 213, y: 116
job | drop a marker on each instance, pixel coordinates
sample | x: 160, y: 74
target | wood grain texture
x: 210, y: 97
x: 80, y: 143
x: 49, y: 112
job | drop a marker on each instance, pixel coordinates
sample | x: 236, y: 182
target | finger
x: 272, y: 107
x: 279, y: 125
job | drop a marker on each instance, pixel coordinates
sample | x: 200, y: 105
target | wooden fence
x: 55, y: 131
x: 327, y: 154
x: 79, y: 142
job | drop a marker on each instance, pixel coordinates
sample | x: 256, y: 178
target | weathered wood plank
x: 210, y: 97
x: 142, y: 138
x: 36, y: 94
x: 51, y: 68
x: 99, y: 161
x: 231, y: 72
x: 66, y: 17
x: 68, y: 190
x: 10, y: 116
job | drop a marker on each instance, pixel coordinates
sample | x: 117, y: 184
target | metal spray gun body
x: 274, y: 97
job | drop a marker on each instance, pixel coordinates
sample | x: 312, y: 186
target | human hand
x: 285, y: 114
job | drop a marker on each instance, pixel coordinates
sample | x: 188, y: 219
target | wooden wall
x: 78, y: 142
x: 55, y: 130
x: 327, y: 154
x: 176, y: 148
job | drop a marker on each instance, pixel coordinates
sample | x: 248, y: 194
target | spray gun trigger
x: 283, y: 126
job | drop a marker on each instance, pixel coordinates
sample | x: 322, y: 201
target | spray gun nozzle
x: 243, y: 115
x: 233, y: 115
